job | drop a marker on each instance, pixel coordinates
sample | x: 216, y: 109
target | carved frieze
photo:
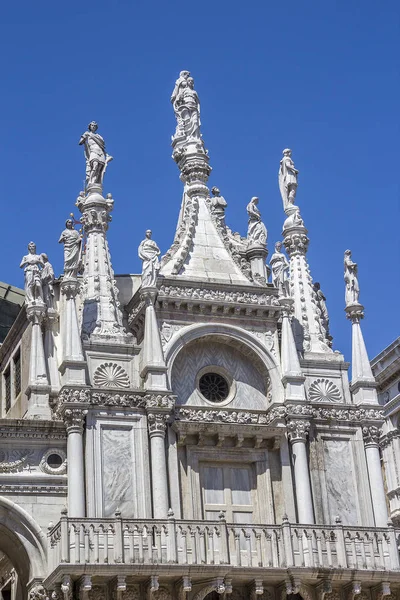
x: 220, y: 416
x: 221, y: 296
x: 14, y: 460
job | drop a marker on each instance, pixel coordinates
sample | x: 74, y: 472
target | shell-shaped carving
x: 110, y: 375
x: 323, y: 390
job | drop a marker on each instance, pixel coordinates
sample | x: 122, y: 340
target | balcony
x: 77, y: 544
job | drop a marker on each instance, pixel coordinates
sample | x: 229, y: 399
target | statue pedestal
x: 257, y: 255
x: 38, y: 390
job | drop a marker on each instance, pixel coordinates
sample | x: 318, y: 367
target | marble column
x: 292, y: 376
x: 371, y: 436
x: 38, y: 390
x: 297, y: 433
x: 157, y: 427
x: 73, y: 366
x: 74, y: 420
x: 153, y: 369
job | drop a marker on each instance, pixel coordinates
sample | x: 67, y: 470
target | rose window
x: 213, y: 387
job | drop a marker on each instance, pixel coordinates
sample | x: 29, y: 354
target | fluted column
x: 371, y: 436
x: 38, y: 389
x: 74, y: 420
x: 363, y: 385
x: 157, y: 422
x: 297, y: 433
x: 73, y: 365
x: 154, y: 370
x: 292, y: 376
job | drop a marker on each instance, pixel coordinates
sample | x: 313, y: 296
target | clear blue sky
x: 319, y: 77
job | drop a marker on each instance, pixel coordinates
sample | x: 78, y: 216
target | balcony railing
x: 182, y: 542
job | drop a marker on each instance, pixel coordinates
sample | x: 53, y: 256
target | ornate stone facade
x: 196, y: 437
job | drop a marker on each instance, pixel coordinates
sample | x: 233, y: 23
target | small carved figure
x: 96, y: 157
x: 256, y: 232
x: 149, y: 252
x: 280, y: 271
x: 186, y: 104
x: 47, y: 277
x: 287, y: 179
x: 350, y: 278
x: 72, y: 240
x: 218, y: 204
x: 321, y: 302
x: 32, y: 264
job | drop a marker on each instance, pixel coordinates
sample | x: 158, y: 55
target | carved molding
x: 255, y: 298
x: 220, y: 416
x: 46, y: 468
x: 13, y: 460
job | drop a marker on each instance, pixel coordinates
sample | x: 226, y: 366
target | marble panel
x: 340, y: 478
x: 117, y: 476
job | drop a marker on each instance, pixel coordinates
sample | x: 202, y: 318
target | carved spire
x: 363, y: 385
x: 101, y: 312
x: 309, y: 324
x: 204, y: 247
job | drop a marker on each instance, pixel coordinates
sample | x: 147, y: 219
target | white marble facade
x: 189, y: 432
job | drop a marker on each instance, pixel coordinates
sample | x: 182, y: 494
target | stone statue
x: 32, y: 264
x: 287, y: 179
x: 218, y: 205
x: 72, y: 240
x: 256, y: 232
x: 95, y: 152
x: 47, y: 277
x: 280, y: 271
x: 321, y: 302
x: 186, y: 104
x: 149, y: 252
x: 350, y: 278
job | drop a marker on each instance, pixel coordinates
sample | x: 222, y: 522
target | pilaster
x: 292, y: 376
x: 154, y: 370
x: 73, y: 366
x: 38, y: 390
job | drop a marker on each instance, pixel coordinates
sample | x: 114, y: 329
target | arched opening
x: 23, y: 545
x: 213, y: 596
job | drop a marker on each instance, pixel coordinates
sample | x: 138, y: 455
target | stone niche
x: 245, y: 376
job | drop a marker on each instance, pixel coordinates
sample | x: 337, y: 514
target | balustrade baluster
x: 248, y: 547
x: 96, y: 553
x: 86, y: 544
x: 269, y: 549
x: 258, y: 548
x: 140, y: 533
x: 319, y: 551
x: 328, y: 544
x: 237, y: 548
x: 380, y: 549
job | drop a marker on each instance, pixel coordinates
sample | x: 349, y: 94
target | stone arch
x: 243, y: 338
x: 22, y: 540
x: 202, y: 594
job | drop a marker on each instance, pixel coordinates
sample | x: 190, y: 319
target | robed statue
x: 256, y: 231
x: 321, y: 303
x: 280, y: 271
x: 218, y: 205
x: 149, y: 252
x: 72, y: 240
x: 186, y: 104
x: 287, y: 179
x: 47, y: 277
x: 351, y: 280
x: 32, y: 264
x: 95, y: 152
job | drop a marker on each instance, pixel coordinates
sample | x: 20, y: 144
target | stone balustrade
x: 182, y: 542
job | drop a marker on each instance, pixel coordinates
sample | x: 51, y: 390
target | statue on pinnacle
x: 288, y: 181
x: 256, y: 232
x: 351, y: 280
x: 96, y: 157
x: 186, y: 105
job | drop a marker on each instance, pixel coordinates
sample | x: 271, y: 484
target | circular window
x: 54, y: 461
x: 214, y: 387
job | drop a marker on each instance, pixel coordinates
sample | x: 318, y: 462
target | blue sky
x: 319, y: 77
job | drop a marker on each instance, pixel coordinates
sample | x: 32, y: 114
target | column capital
x: 69, y: 287
x: 354, y: 312
x: 296, y: 241
x: 36, y: 313
x: 298, y: 430
x: 149, y: 295
x: 371, y: 435
x: 74, y: 419
x: 157, y: 423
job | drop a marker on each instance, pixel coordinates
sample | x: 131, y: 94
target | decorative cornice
x: 27, y: 429
x: 220, y: 416
x: 387, y: 438
x: 253, y: 297
x: 27, y: 488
